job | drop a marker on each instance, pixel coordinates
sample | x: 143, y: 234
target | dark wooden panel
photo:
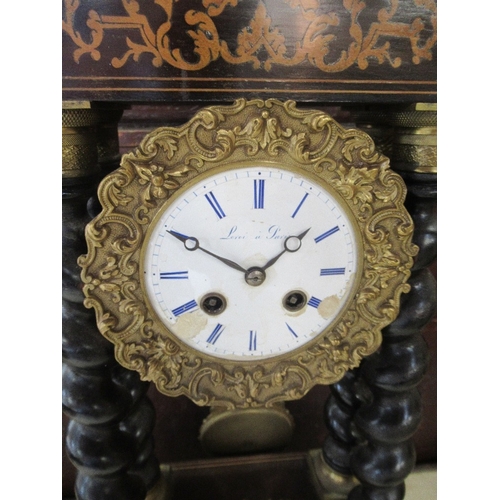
x: 260, y: 477
x: 217, y: 50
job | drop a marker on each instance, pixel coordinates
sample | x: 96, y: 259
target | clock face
x: 250, y: 262
x: 249, y: 254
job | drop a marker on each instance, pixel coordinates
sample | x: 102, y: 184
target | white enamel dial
x: 250, y: 262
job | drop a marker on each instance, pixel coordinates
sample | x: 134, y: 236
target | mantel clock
x: 249, y: 254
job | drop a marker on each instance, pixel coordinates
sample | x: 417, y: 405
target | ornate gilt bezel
x: 274, y: 132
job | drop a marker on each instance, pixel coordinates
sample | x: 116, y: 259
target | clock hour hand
x: 191, y: 244
x: 292, y: 244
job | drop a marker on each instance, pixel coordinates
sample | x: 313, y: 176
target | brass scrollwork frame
x: 270, y: 132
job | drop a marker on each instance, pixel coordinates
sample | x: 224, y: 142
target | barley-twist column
x: 109, y: 435
x: 388, y: 420
x: 333, y: 477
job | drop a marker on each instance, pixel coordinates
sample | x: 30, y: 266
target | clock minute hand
x: 228, y: 262
x: 192, y: 244
x: 291, y: 245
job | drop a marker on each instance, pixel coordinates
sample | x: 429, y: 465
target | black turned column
x: 109, y: 438
x: 340, y: 408
x: 391, y: 412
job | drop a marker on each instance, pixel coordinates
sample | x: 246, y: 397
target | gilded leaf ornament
x: 272, y: 132
x: 263, y: 44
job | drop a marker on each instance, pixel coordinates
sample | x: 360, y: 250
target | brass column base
x: 160, y: 491
x: 329, y: 484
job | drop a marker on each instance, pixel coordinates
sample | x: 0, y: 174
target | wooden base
x: 278, y: 476
x: 256, y: 477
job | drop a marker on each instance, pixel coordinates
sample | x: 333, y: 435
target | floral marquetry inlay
x: 308, y: 143
x: 262, y: 43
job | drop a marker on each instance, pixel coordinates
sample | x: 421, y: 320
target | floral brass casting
x: 248, y: 131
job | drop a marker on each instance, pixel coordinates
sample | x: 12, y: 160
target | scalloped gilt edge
x: 271, y: 131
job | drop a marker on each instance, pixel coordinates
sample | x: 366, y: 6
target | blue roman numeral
x: 215, y: 205
x: 332, y: 271
x: 314, y: 302
x: 299, y: 205
x: 184, y: 308
x: 214, y: 336
x: 291, y: 331
x: 331, y: 231
x: 252, y: 346
x: 174, y: 275
x: 258, y: 193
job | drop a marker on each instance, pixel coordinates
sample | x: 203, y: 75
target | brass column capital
x: 89, y: 137
x: 406, y: 134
